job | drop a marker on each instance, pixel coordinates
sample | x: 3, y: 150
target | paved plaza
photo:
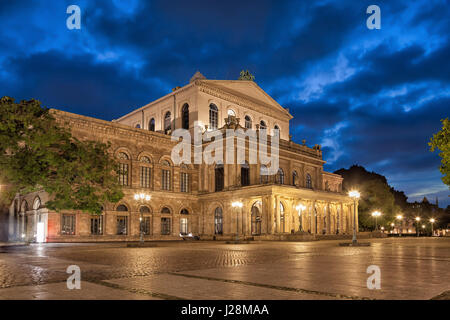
x: 410, y: 269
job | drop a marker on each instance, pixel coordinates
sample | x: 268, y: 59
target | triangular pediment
x: 248, y: 90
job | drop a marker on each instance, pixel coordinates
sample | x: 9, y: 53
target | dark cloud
x: 78, y: 84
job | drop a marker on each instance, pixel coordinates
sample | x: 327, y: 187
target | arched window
x: 231, y: 113
x: 138, y: 126
x: 263, y: 174
x: 184, y: 222
x: 245, y: 174
x: 166, y: 177
x: 122, y: 156
x: 294, y: 178
x: 262, y: 125
x: 121, y: 207
x: 185, y: 116
x: 151, y: 124
x: 165, y: 222
x: 167, y: 123
x: 24, y: 207
x: 308, y: 181
x: 282, y: 218
x: 144, y: 209
x: 248, y: 122
x: 213, y: 117
x: 276, y: 128
x: 145, y: 174
x: 165, y: 210
x: 219, y: 177
x: 165, y: 163
x: 256, y: 218
x: 36, y: 203
x: 218, y: 221
x: 124, y: 167
x: 280, y: 176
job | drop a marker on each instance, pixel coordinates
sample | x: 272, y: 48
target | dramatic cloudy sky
x: 370, y: 97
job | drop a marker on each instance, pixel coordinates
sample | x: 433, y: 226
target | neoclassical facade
x: 199, y: 199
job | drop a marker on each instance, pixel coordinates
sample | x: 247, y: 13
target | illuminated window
x: 122, y: 225
x: 165, y: 226
x: 165, y: 183
x: 213, y: 116
x: 123, y: 168
x: 68, y: 224
x: 97, y: 225
x: 308, y: 181
x: 262, y: 125
x: 248, y: 122
x: 184, y: 183
x: 184, y: 226
x: 145, y: 174
x: 218, y: 221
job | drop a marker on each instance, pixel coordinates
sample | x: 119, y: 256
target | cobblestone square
x: 410, y: 269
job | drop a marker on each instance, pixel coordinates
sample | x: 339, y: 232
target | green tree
x: 38, y: 153
x: 246, y: 75
x: 376, y: 194
x: 441, y: 141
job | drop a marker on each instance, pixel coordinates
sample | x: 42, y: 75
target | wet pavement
x: 409, y: 269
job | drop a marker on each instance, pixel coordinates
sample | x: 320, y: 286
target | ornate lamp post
x: 355, y: 196
x: 417, y: 225
x: 432, y: 220
x: 237, y: 204
x: 300, y: 209
x: 399, y: 218
x: 376, y: 214
x: 141, y: 198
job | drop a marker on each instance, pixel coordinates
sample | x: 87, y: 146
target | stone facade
x: 186, y: 198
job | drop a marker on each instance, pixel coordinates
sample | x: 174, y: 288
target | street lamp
x: 382, y: 229
x: 237, y: 204
x: 432, y: 220
x: 376, y: 214
x: 141, y: 198
x: 417, y: 225
x: 300, y: 209
x: 399, y: 218
x: 355, y: 196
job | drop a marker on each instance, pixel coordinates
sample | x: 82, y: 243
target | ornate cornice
x: 110, y: 128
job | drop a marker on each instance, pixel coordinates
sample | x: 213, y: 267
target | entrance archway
x: 256, y: 218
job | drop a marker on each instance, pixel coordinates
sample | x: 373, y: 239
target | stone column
x: 277, y: 214
x: 271, y: 213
